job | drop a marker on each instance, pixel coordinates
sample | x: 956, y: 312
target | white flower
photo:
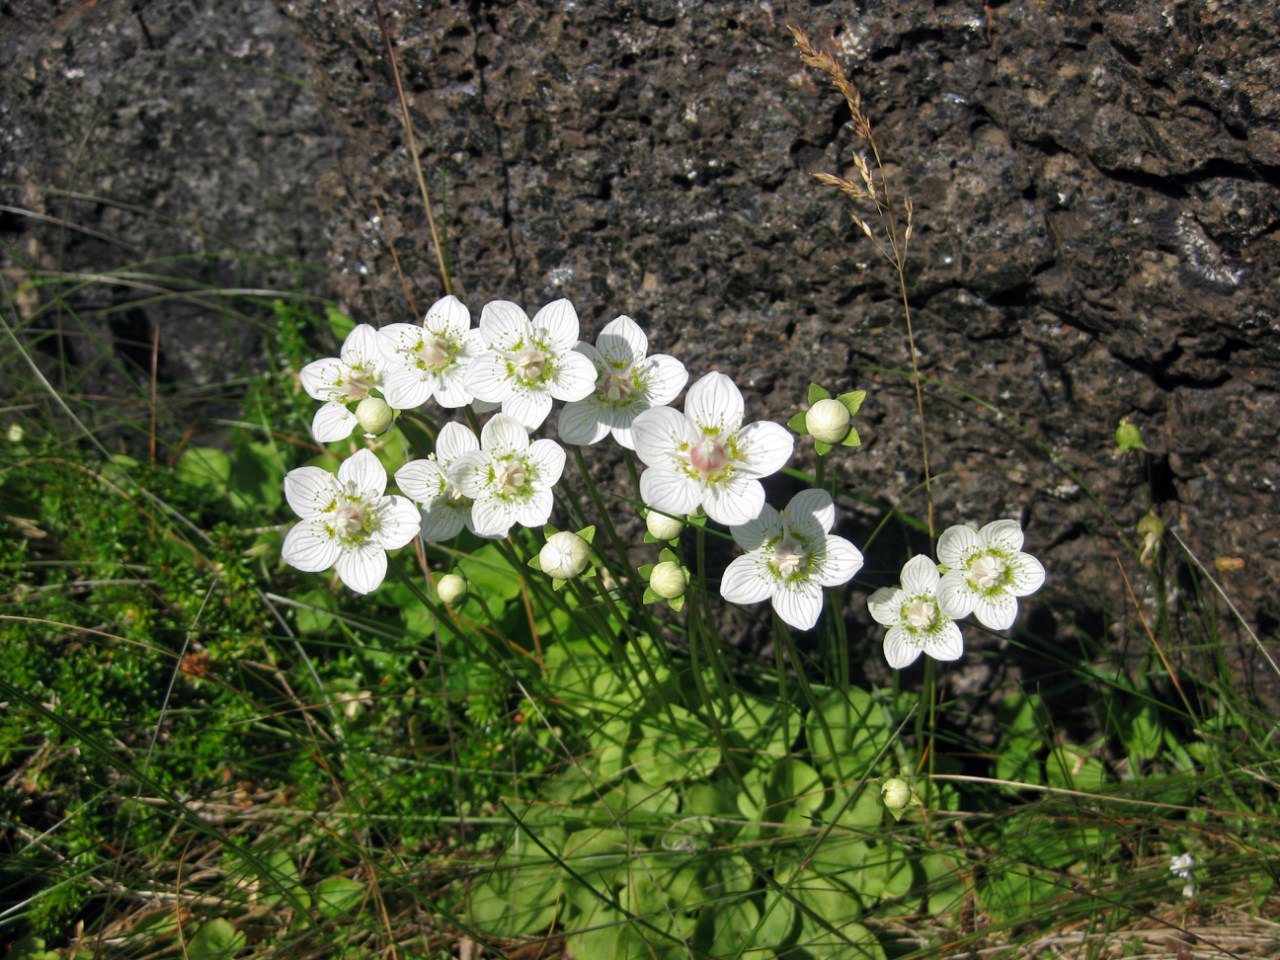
x: 375, y: 416
x: 344, y: 380
x: 509, y: 477
x: 564, y: 555
x: 668, y: 580
x: 431, y: 359
x: 452, y: 589
x: 705, y: 457
x: 445, y: 511
x: 988, y: 572
x: 528, y: 363
x: 1182, y: 865
x: 627, y: 384
x: 914, y: 619
x: 790, y: 557
x: 347, y: 523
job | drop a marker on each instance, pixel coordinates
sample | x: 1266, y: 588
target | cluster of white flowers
x: 703, y: 458
x: 981, y: 572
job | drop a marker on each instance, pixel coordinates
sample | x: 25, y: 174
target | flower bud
x: 374, y: 416
x: 668, y: 580
x: 662, y: 527
x: 15, y: 433
x: 1128, y: 436
x: 452, y: 589
x: 828, y: 421
x: 895, y: 795
x: 564, y: 555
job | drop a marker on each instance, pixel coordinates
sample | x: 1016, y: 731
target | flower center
x: 348, y: 521
x: 357, y: 385
x: 433, y: 352
x: 511, y: 477
x: 987, y: 571
x: 919, y: 614
x: 708, y: 456
x: 789, y: 557
x: 617, y: 387
x: 530, y: 364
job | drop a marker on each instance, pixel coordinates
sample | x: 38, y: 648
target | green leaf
x: 490, y: 576
x: 204, y: 467
x: 1072, y: 768
x: 215, y: 940
x: 795, y: 785
x: 339, y: 322
x: 672, y: 751
x: 338, y: 896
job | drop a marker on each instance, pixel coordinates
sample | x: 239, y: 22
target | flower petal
x: 333, y: 421
x: 580, y: 423
x: 310, y: 491
x: 365, y: 472
x: 714, y: 404
x: 659, y: 434
x: 758, y: 530
x: 956, y: 595
x: 447, y: 315
x: 621, y: 341
x: 957, y: 544
x: 945, y: 642
x: 399, y: 521
x: 549, y: 459
x: 798, y: 605
x: 575, y: 377
x: 747, y: 580
x: 1026, y: 575
x: 362, y: 567
x: 920, y: 577
x: 764, y: 446
x: 559, y: 323
x: 492, y: 518
x: 310, y: 547
x: 453, y: 440
x: 503, y: 325
x: 885, y: 605
x: 529, y: 407
x: 669, y: 491
x: 487, y: 378
x: 422, y: 481
x: 451, y: 384
x: 734, y: 501
x: 406, y: 389
x: 444, y: 520
x: 469, y: 472
x: 813, y: 503
x: 504, y: 434
x: 899, y: 648
x: 996, y: 611
x: 535, y: 511
x: 1003, y: 535
x: 663, y: 378
x: 364, y: 348
x: 840, y: 562
x: 320, y: 377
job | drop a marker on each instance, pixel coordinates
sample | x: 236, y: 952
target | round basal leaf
x: 857, y: 726
x: 215, y: 940
x: 609, y: 745
x: 674, y: 746
x: 862, y: 810
x: 599, y: 856
x: 204, y: 467
x: 732, y: 925
x: 792, y: 785
x: 839, y: 856
x: 490, y: 575
x: 851, y: 941
x: 885, y: 874
x: 516, y: 902
x: 338, y: 896
x: 778, y: 919
x: 833, y: 901
x: 944, y: 890
x: 1072, y: 768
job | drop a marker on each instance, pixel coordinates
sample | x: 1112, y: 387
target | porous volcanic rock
x: 1096, y: 204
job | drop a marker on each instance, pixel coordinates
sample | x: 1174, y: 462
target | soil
x: 1095, y: 227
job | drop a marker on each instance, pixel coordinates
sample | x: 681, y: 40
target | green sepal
x: 588, y: 534
x: 822, y: 447
x: 852, y: 401
x: 851, y: 439
x: 678, y: 603
x: 797, y: 425
x: 535, y: 563
x: 646, y: 570
x: 666, y: 555
x: 649, y: 596
x: 817, y: 393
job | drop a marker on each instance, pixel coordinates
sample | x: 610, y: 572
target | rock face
x: 1096, y: 204
x: 169, y: 150
x: 1095, y: 231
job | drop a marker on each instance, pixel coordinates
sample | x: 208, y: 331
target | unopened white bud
x: 374, y: 415
x: 828, y: 421
x: 15, y: 433
x: 662, y: 527
x: 668, y: 580
x: 895, y: 794
x: 452, y: 588
x: 564, y: 555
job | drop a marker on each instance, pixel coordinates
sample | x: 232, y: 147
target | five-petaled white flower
x: 705, y: 457
x: 445, y: 511
x: 431, y: 359
x: 988, y: 572
x: 509, y: 478
x: 627, y: 383
x: 791, y: 555
x: 347, y: 523
x: 916, y: 622
x: 527, y: 363
x: 343, y: 381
